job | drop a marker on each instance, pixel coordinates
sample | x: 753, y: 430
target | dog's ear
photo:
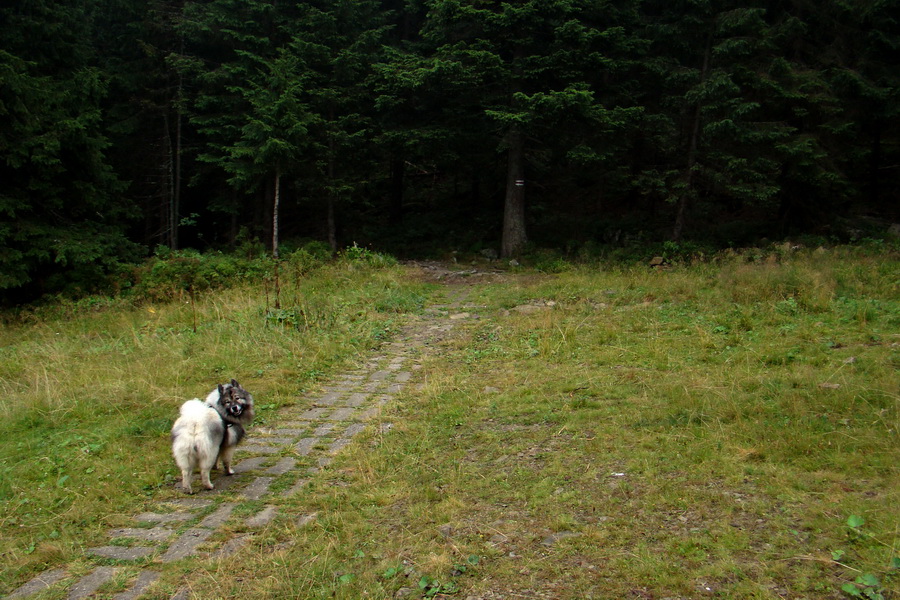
x: 221, y: 390
x: 235, y: 384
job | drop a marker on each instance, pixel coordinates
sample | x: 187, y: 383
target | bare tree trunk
x: 176, y: 184
x: 331, y: 222
x: 275, y: 213
x: 681, y: 214
x: 514, y: 237
x: 332, y: 225
x: 398, y: 170
x: 171, y: 210
x: 275, y: 206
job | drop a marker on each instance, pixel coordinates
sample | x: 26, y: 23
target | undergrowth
x: 728, y: 427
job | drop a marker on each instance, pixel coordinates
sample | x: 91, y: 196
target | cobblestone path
x: 284, y: 456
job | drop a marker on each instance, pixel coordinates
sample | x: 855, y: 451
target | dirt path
x: 283, y: 456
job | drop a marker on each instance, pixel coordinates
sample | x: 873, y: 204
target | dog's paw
x: 229, y: 471
x: 209, y: 486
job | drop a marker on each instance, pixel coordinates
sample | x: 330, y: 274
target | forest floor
x: 525, y: 435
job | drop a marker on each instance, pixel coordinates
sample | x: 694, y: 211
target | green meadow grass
x: 90, y: 391
x: 719, y: 430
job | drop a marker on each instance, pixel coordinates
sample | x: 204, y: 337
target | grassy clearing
x: 720, y: 430
x: 90, y: 392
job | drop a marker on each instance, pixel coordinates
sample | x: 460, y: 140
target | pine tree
x: 62, y: 220
x: 532, y: 69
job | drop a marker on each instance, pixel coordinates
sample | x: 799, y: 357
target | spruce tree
x: 531, y: 70
x: 62, y: 219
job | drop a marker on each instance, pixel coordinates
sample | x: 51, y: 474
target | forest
x: 413, y: 126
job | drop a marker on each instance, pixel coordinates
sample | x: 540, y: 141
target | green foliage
x: 866, y: 585
x: 357, y: 254
x: 62, y: 218
x: 170, y: 274
x: 637, y: 121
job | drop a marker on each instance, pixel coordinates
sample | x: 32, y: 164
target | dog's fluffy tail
x: 192, y: 447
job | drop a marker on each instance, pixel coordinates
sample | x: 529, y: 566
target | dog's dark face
x: 235, y: 403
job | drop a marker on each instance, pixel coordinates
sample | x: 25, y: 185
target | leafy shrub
x: 550, y: 261
x: 170, y: 274
x: 359, y: 254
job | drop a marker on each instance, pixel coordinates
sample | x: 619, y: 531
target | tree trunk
x: 176, y: 191
x: 171, y: 221
x: 332, y: 225
x: 275, y: 213
x: 514, y: 237
x: 681, y: 214
x: 398, y: 172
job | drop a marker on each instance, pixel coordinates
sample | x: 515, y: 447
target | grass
x: 726, y: 429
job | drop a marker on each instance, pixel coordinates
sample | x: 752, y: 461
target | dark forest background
x: 421, y: 126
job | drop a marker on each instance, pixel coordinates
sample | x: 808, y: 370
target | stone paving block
x: 91, y: 582
x: 38, y: 583
x: 221, y: 482
x: 342, y: 414
x: 314, y: 413
x: 356, y: 400
x: 249, y: 464
x: 369, y: 413
x: 186, y: 544
x: 258, y: 449
x: 190, y: 502
x: 330, y: 398
x: 155, y: 534
x: 379, y: 375
x: 263, y: 517
x: 231, y: 546
x: 338, y: 445
x: 352, y: 377
x: 152, y: 517
x: 301, y: 425
x: 289, y: 432
x: 121, y: 552
x: 144, y: 580
x: 403, y: 376
x: 323, y: 429
x: 304, y: 520
x: 353, y: 430
x: 394, y: 388
x: 282, y: 466
x: 257, y: 488
x: 218, y: 517
x: 277, y: 441
x: 299, y: 485
x: 305, y: 446
x: 182, y: 594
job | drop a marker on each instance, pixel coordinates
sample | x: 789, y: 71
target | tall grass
x: 90, y: 390
x: 710, y: 430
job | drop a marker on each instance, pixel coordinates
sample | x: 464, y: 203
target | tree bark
x: 275, y: 213
x: 171, y: 221
x: 514, y: 237
x: 681, y: 214
x: 331, y: 222
x: 398, y: 171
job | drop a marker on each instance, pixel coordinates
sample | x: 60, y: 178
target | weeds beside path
x: 714, y: 431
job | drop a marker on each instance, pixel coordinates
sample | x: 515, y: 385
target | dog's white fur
x: 196, y: 438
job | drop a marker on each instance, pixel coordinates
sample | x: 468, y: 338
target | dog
x: 238, y: 404
x: 204, y: 431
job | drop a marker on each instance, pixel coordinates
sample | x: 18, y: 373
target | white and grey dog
x: 204, y: 431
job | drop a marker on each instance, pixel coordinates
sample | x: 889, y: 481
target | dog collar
x: 227, y: 424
